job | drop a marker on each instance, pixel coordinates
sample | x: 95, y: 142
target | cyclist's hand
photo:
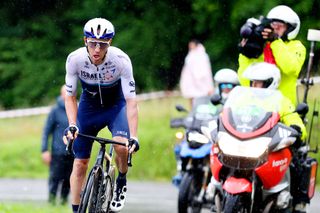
x: 133, y: 145
x: 70, y: 133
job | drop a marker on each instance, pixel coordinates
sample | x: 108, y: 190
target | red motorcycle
x: 251, y: 156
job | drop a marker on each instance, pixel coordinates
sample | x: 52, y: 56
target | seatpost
x: 313, y: 36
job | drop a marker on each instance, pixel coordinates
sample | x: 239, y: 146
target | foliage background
x: 37, y: 36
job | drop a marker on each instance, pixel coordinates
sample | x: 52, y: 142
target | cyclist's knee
x: 80, y: 166
x: 120, y: 150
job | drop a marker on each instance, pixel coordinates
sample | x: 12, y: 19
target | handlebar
x: 102, y: 141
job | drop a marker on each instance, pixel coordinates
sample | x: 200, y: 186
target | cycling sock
x: 75, y: 208
x: 122, y: 179
x: 122, y: 175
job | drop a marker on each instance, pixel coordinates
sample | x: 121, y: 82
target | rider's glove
x: 134, y: 141
x: 297, y: 128
x: 298, y: 141
x: 73, y: 129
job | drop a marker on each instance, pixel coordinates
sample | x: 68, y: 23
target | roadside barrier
x: 46, y: 109
x: 141, y: 97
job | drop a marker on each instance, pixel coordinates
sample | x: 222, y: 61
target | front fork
x: 205, y: 178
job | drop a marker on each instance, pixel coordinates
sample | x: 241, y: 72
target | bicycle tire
x: 109, y: 187
x: 89, y: 200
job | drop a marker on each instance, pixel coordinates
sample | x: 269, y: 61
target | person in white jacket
x: 196, y: 76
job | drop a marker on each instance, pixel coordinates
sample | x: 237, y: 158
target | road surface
x: 143, y: 197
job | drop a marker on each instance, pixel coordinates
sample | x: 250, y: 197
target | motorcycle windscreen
x: 249, y: 108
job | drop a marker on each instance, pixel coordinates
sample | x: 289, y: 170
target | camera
x: 253, y: 42
x: 253, y: 27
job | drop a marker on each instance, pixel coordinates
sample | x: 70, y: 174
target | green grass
x: 29, y: 207
x: 20, y: 141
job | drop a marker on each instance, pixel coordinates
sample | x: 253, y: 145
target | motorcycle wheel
x: 236, y: 204
x: 187, y: 190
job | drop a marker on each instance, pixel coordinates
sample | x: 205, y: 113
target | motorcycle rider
x: 266, y: 75
x: 276, y: 44
x: 225, y: 80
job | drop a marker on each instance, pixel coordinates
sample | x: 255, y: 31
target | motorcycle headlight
x: 197, y: 137
x: 179, y: 135
x: 252, y: 148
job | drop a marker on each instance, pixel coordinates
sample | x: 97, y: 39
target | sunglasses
x: 99, y: 44
x: 226, y: 86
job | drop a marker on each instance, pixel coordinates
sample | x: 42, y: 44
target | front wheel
x: 189, y: 188
x: 236, y: 203
x: 90, y: 201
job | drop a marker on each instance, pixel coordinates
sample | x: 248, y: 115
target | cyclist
x: 265, y: 75
x: 108, y: 98
x: 280, y: 48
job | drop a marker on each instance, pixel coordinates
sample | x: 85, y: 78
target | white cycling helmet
x: 99, y: 28
x: 288, y: 16
x: 226, y: 76
x: 263, y: 71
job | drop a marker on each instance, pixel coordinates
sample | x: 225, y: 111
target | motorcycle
x: 251, y: 154
x: 193, y: 156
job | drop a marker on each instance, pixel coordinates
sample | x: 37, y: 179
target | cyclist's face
x: 97, y: 49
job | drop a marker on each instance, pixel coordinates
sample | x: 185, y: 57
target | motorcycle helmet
x: 225, y: 79
x: 266, y: 72
x: 99, y: 28
x: 287, y: 15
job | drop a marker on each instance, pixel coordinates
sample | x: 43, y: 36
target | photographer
x: 271, y: 39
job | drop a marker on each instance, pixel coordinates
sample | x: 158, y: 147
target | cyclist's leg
x: 120, y: 132
x: 87, y: 121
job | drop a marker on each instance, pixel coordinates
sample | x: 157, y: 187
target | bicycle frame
x: 99, y: 184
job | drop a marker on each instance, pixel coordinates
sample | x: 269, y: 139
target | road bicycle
x: 98, y: 191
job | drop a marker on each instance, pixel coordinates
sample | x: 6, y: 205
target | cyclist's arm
x: 71, y: 90
x: 132, y: 115
x: 71, y: 109
x: 129, y: 92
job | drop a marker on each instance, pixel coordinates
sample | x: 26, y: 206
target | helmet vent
x: 98, y: 29
x: 105, y: 32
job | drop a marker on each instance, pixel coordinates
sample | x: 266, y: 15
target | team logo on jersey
x: 86, y: 64
x: 132, y: 84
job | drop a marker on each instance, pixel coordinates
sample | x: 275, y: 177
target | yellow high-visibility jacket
x: 289, y: 57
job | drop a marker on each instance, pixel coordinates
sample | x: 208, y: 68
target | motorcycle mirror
x: 180, y: 108
x: 216, y: 99
x: 302, y: 109
x: 313, y: 35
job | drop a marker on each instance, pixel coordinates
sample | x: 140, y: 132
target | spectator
x: 196, y: 76
x: 54, y: 155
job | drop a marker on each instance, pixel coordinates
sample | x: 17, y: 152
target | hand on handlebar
x: 70, y: 133
x: 133, y: 145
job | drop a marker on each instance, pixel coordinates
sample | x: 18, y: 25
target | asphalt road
x: 143, y: 197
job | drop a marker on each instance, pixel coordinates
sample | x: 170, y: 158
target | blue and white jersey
x: 106, y: 82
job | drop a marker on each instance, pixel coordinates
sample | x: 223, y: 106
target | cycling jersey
x: 106, y: 82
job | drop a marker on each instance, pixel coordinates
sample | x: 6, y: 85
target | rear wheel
x: 109, y: 186
x: 188, y: 190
